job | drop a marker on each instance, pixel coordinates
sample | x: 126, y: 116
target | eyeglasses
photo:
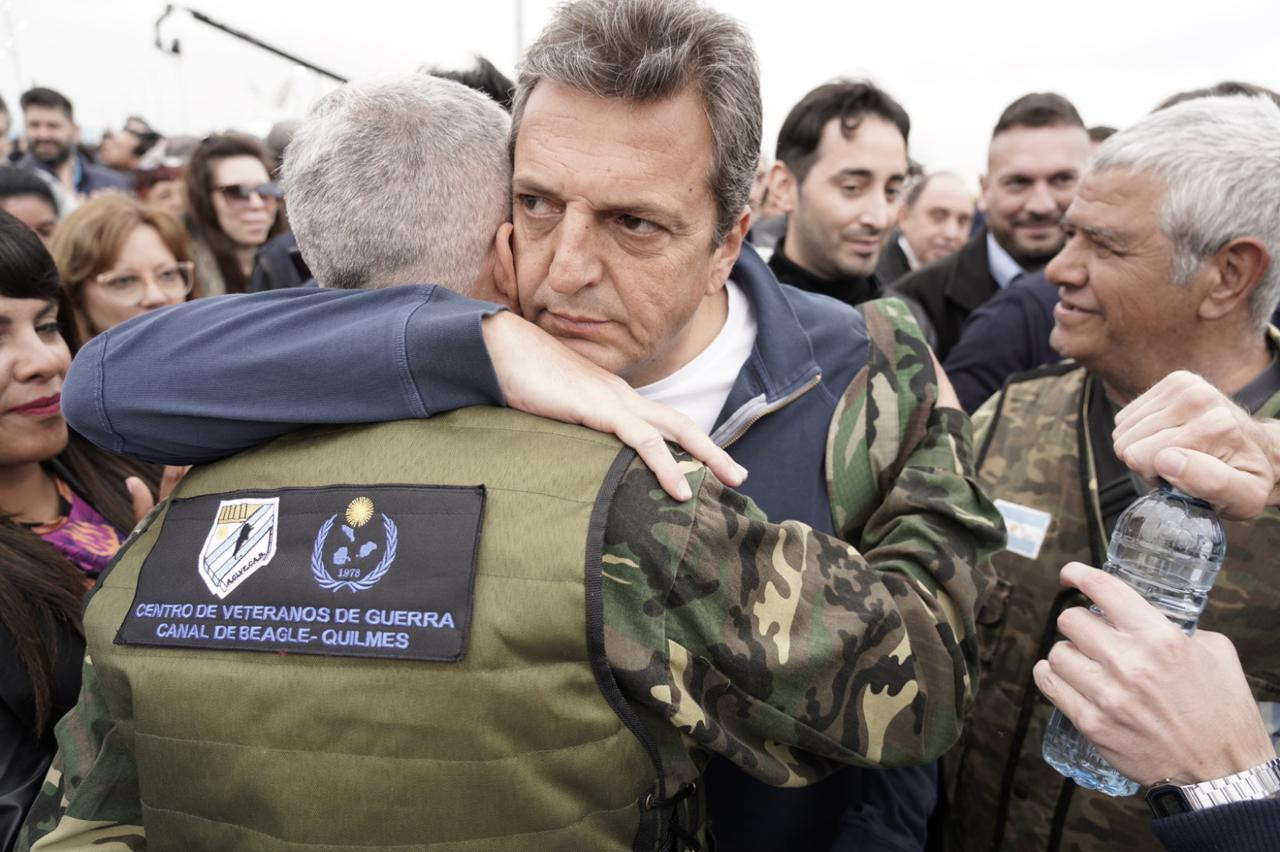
x: 240, y: 194
x: 129, y: 288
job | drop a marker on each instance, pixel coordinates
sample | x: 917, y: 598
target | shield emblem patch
x: 242, y: 540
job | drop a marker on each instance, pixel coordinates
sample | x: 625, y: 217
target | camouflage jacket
x: 784, y: 649
x: 1036, y: 459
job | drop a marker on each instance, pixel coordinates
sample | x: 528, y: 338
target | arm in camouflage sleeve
x: 782, y: 648
x: 901, y: 478
x: 90, y: 796
x: 982, y: 421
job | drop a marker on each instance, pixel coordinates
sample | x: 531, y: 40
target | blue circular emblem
x: 320, y: 568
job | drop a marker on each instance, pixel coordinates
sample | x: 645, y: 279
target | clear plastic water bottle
x: 1169, y: 547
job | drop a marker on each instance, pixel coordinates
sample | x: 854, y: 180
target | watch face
x: 1167, y: 800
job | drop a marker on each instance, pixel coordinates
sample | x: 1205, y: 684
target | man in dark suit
x: 895, y: 261
x: 1038, y: 150
x: 933, y: 223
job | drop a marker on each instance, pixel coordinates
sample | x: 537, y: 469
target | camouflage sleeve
x: 90, y: 796
x: 774, y: 645
x: 982, y: 418
x: 903, y: 489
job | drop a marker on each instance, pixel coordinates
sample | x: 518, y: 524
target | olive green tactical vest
x: 1001, y: 794
x: 519, y: 745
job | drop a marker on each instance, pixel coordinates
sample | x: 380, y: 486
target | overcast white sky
x: 954, y: 65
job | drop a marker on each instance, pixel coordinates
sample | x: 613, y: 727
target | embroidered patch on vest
x: 242, y: 540
x: 1025, y: 526
x: 353, y: 571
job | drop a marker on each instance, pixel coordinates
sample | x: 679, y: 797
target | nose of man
x: 953, y: 232
x: 876, y: 214
x: 1041, y: 201
x: 1066, y: 268
x: 574, y: 257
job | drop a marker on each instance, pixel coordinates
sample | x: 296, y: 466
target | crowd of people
x: 783, y: 539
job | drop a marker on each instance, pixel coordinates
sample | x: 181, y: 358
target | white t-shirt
x: 699, y: 389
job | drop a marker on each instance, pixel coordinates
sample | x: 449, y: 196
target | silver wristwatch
x: 1260, y: 782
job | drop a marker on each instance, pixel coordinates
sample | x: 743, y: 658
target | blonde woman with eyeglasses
x: 119, y: 258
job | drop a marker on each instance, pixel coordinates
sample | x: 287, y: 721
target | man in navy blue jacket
x: 1007, y: 335
x: 51, y: 146
x: 630, y: 211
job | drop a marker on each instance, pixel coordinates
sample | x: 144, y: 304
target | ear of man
x: 784, y: 189
x: 726, y: 254
x: 503, y: 270
x: 1234, y: 273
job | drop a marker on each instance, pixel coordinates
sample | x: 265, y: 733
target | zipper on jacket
x: 651, y: 827
x: 772, y: 407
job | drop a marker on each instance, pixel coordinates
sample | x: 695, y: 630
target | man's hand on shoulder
x: 540, y: 375
x: 1189, y: 433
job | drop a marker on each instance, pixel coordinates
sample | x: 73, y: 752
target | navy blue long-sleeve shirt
x: 1008, y: 334
x: 1239, y: 827
x: 437, y: 354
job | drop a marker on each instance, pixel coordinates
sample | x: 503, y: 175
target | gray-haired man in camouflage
x: 1171, y: 263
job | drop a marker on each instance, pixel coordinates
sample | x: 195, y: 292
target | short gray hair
x: 650, y: 50
x: 1220, y: 161
x: 399, y: 181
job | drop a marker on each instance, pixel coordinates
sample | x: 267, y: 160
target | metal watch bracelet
x: 1259, y: 782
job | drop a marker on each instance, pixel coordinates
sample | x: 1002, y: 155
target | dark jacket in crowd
x: 1237, y: 827
x: 89, y: 176
x: 893, y: 260
x: 950, y: 289
x: 1008, y: 334
x: 853, y: 290
x: 24, y: 757
x: 279, y: 264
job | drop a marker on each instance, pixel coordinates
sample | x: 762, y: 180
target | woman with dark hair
x: 64, y: 511
x: 234, y: 207
x: 119, y: 258
x: 160, y: 184
x: 29, y: 197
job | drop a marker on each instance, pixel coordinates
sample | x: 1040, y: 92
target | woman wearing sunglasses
x: 119, y: 258
x: 234, y: 208
x: 64, y: 510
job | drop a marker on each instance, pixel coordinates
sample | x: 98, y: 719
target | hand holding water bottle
x: 1169, y: 547
x: 1157, y: 704
x: 1189, y: 433
x: 1150, y: 702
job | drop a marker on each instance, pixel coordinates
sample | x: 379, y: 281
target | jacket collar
x: 850, y: 289
x: 1004, y: 269
x: 971, y: 283
x: 29, y: 162
x: 900, y: 242
x: 782, y: 361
